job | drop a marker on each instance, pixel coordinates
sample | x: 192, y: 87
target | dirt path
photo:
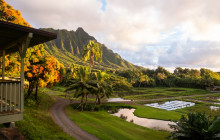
x: 60, y: 118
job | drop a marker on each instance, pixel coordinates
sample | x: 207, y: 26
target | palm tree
x: 73, y: 70
x: 81, y: 85
x: 104, y: 88
x: 196, y: 126
x: 91, y: 50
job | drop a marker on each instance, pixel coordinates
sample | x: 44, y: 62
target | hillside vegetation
x: 68, y: 47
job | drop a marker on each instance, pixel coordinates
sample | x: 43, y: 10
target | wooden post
x: 22, y: 51
x: 3, y: 65
x: 22, y: 85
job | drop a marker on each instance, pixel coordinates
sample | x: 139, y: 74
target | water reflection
x: 149, y: 123
x: 117, y: 100
x: 171, y: 105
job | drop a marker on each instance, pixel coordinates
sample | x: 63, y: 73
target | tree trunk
x: 86, y: 100
x: 95, y: 103
x: 30, y: 89
x: 99, y: 99
x: 36, y: 91
x: 139, y: 84
x: 82, y: 102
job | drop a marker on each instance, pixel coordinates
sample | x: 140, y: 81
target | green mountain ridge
x: 68, y: 47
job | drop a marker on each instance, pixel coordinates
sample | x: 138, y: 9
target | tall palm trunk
x: 86, y: 101
x: 82, y: 100
x: 99, y: 99
x: 95, y: 103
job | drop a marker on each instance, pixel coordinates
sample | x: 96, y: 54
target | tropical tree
x: 196, y: 126
x: 130, y: 74
x: 71, y: 74
x: 41, y: 70
x: 82, y: 86
x: 7, y: 13
x: 120, y: 84
x: 104, y: 88
x: 91, y: 50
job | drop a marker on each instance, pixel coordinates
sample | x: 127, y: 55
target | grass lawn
x: 155, y: 113
x: 164, y: 92
x: 38, y: 124
x: 108, y: 127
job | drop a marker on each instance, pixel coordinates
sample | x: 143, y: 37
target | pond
x: 128, y: 114
x: 171, y: 105
x: 117, y: 100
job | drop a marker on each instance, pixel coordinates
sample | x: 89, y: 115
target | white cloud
x: 192, y: 54
x: 152, y: 32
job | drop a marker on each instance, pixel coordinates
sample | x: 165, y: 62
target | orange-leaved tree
x: 41, y: 70
x: 7, y: 13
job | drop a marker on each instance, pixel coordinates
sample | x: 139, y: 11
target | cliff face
x: 69, y: 45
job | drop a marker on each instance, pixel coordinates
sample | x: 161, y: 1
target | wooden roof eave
x: 13, y: 35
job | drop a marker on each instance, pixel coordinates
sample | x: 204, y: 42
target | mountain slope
x: 68, y: 47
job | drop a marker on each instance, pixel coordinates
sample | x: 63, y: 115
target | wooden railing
x: 10, y: 96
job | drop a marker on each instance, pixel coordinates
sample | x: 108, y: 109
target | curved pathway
x: 60, y: 118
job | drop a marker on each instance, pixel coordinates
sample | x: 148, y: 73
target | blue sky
x: 149, y: 33
x: 104, y: 3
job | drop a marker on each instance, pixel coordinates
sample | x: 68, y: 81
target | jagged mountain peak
x: 68, y: 48
x: 80, y: 29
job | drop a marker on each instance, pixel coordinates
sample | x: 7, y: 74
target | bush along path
x: 57, y: 112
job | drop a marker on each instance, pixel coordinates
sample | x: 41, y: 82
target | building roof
x: 11, y: 34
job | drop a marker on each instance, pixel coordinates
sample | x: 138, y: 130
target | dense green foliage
x: 82, y: 86
x: 90, y: 51
x: 94, y: 82
x: 196, y: 126
x: 190, y: 78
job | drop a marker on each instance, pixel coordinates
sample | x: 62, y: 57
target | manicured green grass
x: 164, y: 92
x: 155, y: 113
x: 108, y: 127
x: 38, y: 124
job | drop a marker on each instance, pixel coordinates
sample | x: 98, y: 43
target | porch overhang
x: 12, y: 35
x: 15, y: 38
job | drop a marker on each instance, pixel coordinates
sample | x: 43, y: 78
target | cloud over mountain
x: 168, y: 33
